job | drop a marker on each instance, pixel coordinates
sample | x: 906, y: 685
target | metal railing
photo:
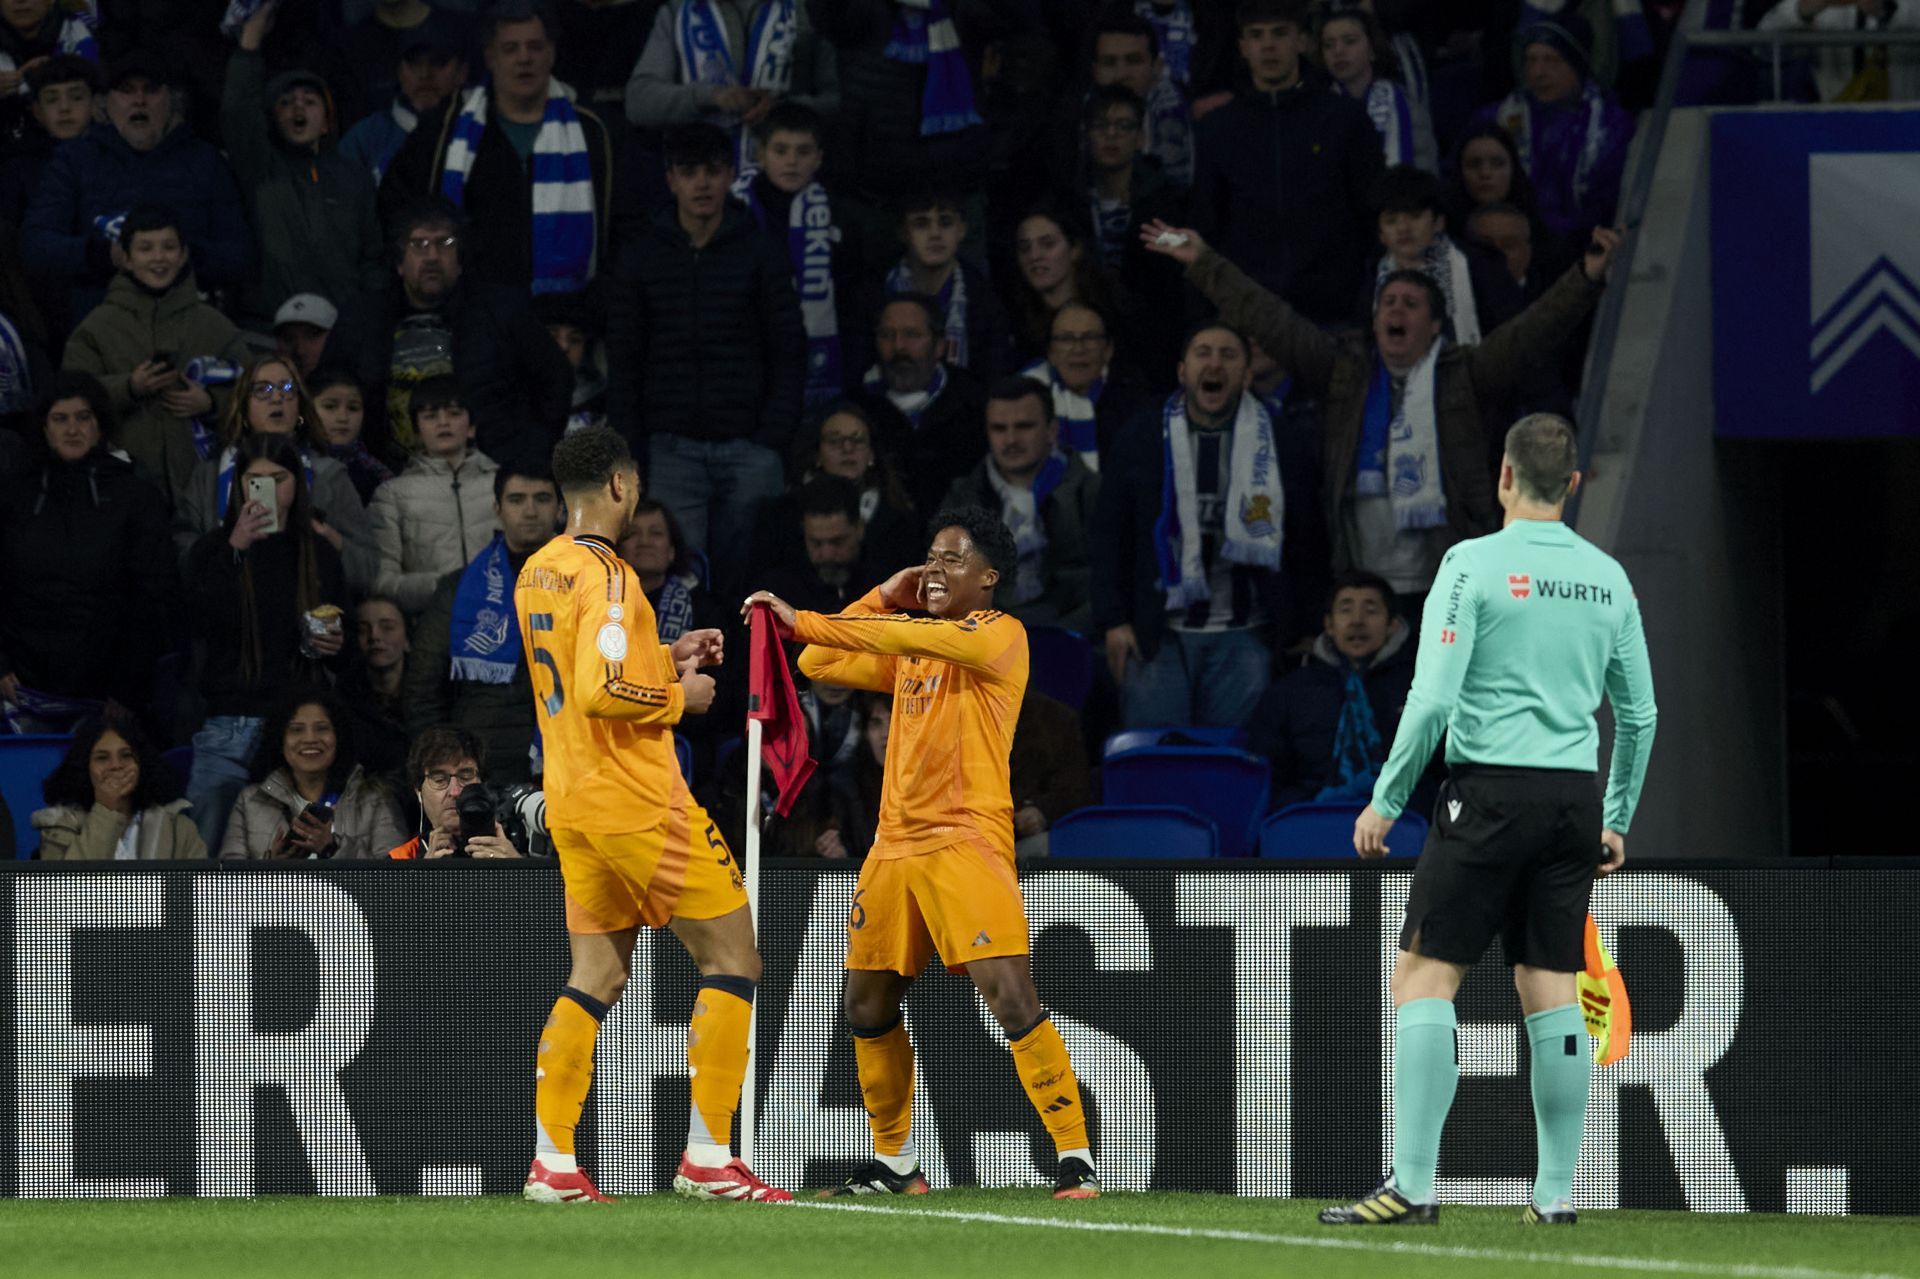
x: 1690, y: 35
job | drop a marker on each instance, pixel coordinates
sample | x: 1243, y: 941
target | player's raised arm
x: 955, y: 585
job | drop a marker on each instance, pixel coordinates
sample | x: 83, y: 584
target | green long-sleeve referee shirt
x: 1524, y: 630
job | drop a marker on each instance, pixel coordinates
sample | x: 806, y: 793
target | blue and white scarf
x: 1255, y: 512
x: 1023, y: 511
x: 673, y: 614
x: 953, y: 304
x: 238, y: 11
x: 75, y: 37
x: 1399, y: 454
x: 1392, y: 115
x: 916, y: 405
x: 1169, y: 132
x: 811, y: 237
x: 16, y: 375
x: 564, y: 233
x: 223, y: 485
x: 485, y: 636
x: 1445, y: 263
x: 1177, y: 36
x: 209, y: 371
x: 1515, y: 115
x: 1076, y: 413
x: 924, y: 35
x: 700, y: 38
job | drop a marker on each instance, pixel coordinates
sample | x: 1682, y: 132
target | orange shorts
x: 681, y: 868
x: 962, y: 900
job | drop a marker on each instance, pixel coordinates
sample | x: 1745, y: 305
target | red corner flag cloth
x: 771, y: 699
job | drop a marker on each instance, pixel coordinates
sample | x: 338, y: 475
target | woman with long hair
x: 270, y: 398
x: 1057, y: 261
x: 310, y: 797
x: 847, y: 442
x: 1355, y: 52
x: 112, y: 798
x: 266, y: 593
x: 88, y: 584
x: 1485, y: 172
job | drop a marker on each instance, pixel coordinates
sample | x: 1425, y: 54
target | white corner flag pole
x: 749, y: 1089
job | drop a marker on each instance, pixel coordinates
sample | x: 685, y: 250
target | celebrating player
x: 940, y: 876
x: 1524, y: 631
x: 634, y: 848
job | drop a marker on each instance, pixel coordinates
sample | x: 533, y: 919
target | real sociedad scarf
x: 564, y: 239
x: 1255, y: 511
x: 811, y: 236
x: 673, y: 613
x: 1023, y: 510
x: 210, y: 371
x: 920, y: 401
x: 1392, y: 115
x: 485, y: 635
x: 75, y: 37
x: 1399, y: 454
x: 16, y: 375
x: 223, y: 486
x: 1174, y: 26
x: 1074, y: 411
x: 924, y: 35
x: 700, y: 37
x: 952, y: 298
x: 1516, y: 116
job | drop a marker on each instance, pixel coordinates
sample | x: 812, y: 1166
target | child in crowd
x: 1409, y: 206
x: 933, y: 225
x: 576, y: 327
x: 437, y: 514
x: 340, y: 409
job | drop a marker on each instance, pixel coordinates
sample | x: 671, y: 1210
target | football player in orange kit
x: 940, y: 876
x: 634, y: 848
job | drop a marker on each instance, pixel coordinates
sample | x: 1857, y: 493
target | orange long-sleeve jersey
x: 605, y: 690
x: 956, y: 689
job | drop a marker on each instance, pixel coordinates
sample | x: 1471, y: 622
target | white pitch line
x: 1649, y: 1265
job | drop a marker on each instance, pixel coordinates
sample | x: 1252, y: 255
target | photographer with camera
x: 448, y: 771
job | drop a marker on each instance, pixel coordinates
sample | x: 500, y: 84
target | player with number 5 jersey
x: 634, y: 847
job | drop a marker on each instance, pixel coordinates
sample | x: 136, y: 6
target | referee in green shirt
x: 1523, y: 633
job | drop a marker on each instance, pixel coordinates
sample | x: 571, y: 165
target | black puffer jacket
x: 513, y: 379
x: 1281, y: 184
x: 705, y: 343
x: 876, y: 149
x: 86, y: 579
x: 216, y: 575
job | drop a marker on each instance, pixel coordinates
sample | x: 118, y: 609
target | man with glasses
x: 445, y: 761
x: 433, y: 321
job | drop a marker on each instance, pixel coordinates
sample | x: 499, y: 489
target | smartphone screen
x: 260, y: 489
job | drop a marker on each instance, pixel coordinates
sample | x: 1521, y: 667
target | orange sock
x: 1040, y: 1056
x: 565, y: 1072
x: 885, y: 1062
x: 717, y: 1057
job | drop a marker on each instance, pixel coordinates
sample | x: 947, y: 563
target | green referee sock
x: 1558, y: 1040
x: 1425, y: 1075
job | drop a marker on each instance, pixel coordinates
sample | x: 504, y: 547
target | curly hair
x: 584, y: 461
x: 271, y: 753
x: 71, y: 781
x: 985, y: 530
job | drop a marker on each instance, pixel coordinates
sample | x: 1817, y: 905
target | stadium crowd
x: 1225, y: 306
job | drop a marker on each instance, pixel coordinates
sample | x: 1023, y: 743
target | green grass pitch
x: 962, y: 1234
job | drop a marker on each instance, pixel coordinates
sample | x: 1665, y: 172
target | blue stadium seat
x: 1132, y: 739
x: 1134, y: 830
x: 1326, y: 830
x: 1060, y: 664
x: 25, y: 761
x: 180, y: 759
x: 1224, y: 785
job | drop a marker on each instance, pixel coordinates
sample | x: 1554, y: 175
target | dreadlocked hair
x: 281, y: 451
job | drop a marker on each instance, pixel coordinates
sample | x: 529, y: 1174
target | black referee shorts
x: 1511, y: 851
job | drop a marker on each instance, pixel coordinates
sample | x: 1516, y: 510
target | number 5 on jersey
x: 537, y: 622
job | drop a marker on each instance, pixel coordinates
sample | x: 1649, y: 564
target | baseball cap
x: 307, y: 308
x: 145, y: 63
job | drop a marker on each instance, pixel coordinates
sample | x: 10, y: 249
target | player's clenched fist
x: 698, y: 690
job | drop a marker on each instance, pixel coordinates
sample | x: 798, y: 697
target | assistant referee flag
x: 771, y: 699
